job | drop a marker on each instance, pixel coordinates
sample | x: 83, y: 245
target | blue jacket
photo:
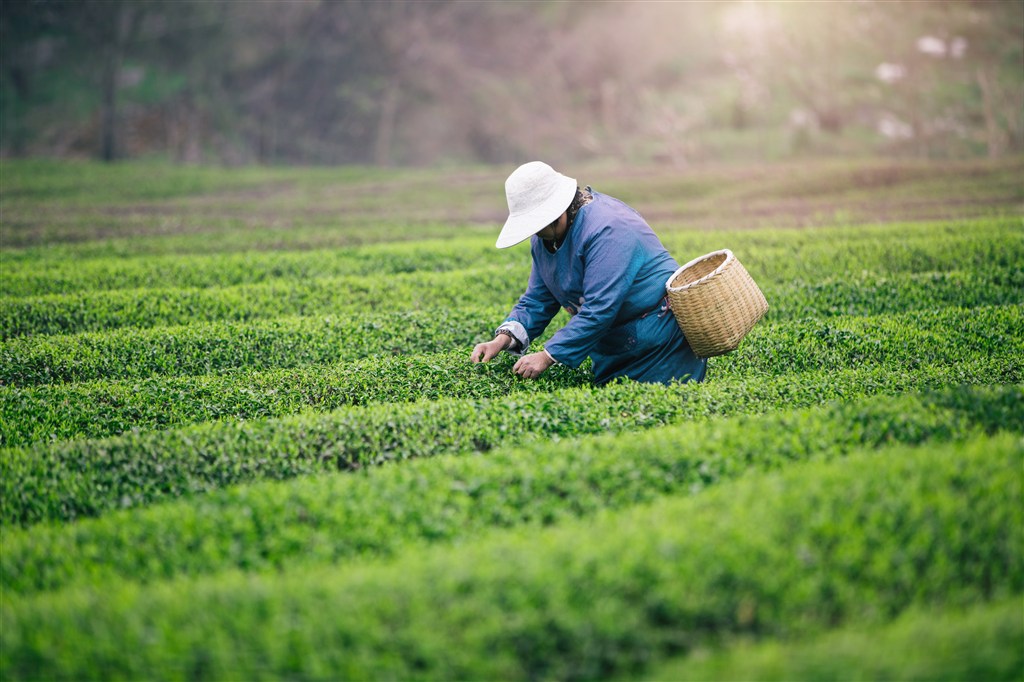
x: 609, y: 274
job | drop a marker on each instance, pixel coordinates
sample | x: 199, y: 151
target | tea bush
x: 98, y: 311
x: 328, y: 518
x: 104, y: 408
x: 951, y: 645
x: 83, y: 478
x: 813, y: 546
x: 294, y: 342
x: 29, y: 278
x: 775, y: 255
x: 240, y: 436
x: 198, y: 349
x: 996, y: 261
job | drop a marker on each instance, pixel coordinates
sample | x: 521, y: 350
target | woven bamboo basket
x: 715, y: 302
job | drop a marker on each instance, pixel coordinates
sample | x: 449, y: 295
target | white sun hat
x: 537, y: 194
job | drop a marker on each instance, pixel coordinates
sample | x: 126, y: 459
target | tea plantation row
x: 246, y: 442
x: 944, y: 336
x: 95, y: 311
x: 343, y: 516
x: 778, y: 256
x: 200, y: 348
x: 995, y: 261
x: 977, y: 643
x: 75, y: 478
x: 203, y: 348
x: 819, y: 544
x: 39, y: 276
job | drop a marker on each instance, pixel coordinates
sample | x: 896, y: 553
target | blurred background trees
x: 394, y: 83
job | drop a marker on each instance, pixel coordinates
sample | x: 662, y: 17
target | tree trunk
x: 108, y: 113
x: 111, y: 71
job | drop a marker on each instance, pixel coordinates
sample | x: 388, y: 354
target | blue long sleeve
x: 535, y: 309
x: 612, y: 258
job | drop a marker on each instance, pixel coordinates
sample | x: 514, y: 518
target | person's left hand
x: 533, y: 365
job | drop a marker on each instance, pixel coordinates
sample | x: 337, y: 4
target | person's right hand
x: 483, y: 352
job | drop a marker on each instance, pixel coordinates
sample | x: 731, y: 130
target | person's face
x: 555, y: 229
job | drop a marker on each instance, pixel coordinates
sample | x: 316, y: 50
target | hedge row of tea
x: 70, y: 268
x: 978, y: 643
x: 800, y: 286
x: 86, y: 477
x: 203, y: 347
x: 341, y: 516
x: 39, y: 277
x: 916, y: 351
x: 818, y: 545
x: 949, y: 337
x: 228, y: 453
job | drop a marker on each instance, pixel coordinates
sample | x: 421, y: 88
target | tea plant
x: 240, y: 436
x: 795, y: 552
x: 338, y: 517
x: 38, y: 277
x: 979, y: 643
x: 994, y: 257
x: 97, y: 311
x: 83, y: 478
x: 104, y: 408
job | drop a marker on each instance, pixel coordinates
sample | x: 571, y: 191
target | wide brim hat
x: 537, y: 194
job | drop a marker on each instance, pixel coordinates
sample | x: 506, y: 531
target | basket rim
x: 729, y: 257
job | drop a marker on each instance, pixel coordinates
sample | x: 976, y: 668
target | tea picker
x: 598, y: 259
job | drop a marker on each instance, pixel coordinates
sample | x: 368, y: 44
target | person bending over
x: 596, y: 257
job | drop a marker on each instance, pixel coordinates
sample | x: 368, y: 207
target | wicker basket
x: 715, y: 302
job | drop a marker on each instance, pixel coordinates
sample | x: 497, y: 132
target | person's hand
x: 483, y: 352
x: 533, y: 365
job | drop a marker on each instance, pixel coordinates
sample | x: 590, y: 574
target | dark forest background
x: 434, y: 82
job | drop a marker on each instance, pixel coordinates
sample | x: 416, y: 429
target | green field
x: 241, y: 438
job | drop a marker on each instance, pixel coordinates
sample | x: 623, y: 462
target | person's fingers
x: 479, y: 353
x: 529, y: 366
x: 525, y: 368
